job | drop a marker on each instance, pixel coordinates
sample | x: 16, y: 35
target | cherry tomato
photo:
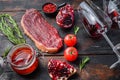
x: 70, y: 40
x: 70, y: 54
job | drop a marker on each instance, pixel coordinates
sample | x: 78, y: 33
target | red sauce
x: 49, y: 8
x: 22, y: 57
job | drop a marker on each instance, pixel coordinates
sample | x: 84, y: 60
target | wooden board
x: 100, y: 53
x: 98, y: 63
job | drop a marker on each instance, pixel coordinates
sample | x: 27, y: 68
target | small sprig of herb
x: 6, y: 52
x: 83, y: 62
x: 76, y: 29
x: 9, y: 28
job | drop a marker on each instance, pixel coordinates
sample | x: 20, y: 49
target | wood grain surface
x: 100, y: 53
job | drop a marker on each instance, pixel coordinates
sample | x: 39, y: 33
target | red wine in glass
x: 94, y: 30
x: 111, y: 8
x: 96, y: 23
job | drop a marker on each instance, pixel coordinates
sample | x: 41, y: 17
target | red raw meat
x: 44, y: 35
x: 65, y: 17
x: 59, y: 70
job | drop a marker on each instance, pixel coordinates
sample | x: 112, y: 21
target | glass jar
x: 22, y: 59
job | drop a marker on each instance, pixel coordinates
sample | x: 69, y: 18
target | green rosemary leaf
x: 83, y: 63
x: 6, y: 52
x: 9, y: 28
x: 76, y: 29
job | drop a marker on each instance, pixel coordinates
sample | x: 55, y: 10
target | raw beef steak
x: 44, y: 35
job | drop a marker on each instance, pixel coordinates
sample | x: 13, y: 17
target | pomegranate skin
x: 59, y: 70
x: 65, y: 17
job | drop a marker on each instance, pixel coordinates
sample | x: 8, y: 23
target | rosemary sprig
x: 83, y: 63
x: 6, y: 52
x: 9, y: 28
x: 76, y: 29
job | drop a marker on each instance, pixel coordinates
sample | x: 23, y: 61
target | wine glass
x: 3, y: 74
x: 96, y: 22
x: 94, y: 19
x: 1, y: 66
x: 111, y: 8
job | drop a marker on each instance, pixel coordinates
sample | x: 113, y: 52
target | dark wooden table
x: 100, y: 53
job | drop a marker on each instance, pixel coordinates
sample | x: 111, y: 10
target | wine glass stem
x: 108, y: 40
x: 119, y: 24
x: 105, y: 6
x: 111, y: 44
